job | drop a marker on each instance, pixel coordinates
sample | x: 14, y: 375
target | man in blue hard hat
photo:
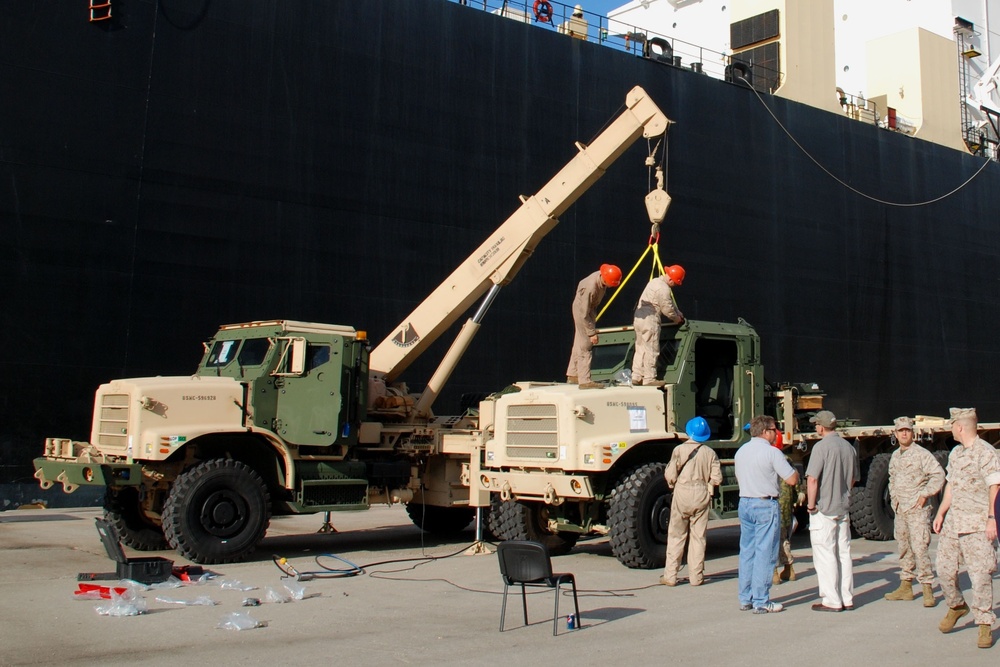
x: 759, y: 466
x: 692, y: 472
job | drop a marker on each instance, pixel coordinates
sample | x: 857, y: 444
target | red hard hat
x: 779, y: 440
x: 675, y: 273
x: 611, y: 274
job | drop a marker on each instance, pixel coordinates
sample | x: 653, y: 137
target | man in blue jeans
x: 759, y: 466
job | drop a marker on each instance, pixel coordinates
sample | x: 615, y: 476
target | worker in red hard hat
x: 657, y: 299
x: 589, y: 294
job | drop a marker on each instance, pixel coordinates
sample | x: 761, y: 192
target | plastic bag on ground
x: 201, y: 601
x: 127, y: 604
x: 240, y: 620
x: 235, y: 585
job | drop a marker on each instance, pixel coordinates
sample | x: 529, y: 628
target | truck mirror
x: 298, y: 364
x: 293, y: 357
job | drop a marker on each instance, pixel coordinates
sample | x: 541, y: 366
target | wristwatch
x: 812, y: 510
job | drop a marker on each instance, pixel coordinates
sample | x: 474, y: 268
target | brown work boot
x: 929, y: 600
x: 572, y: 379
x: 904, y: 592
x: 667, y: 582
x: 653, y: 383
x: 788, y: 573
x: 591, y: 385
x: 985, y: 636
x: 947, y: 623
x: 776, y: 579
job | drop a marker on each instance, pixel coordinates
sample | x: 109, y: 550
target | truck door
x: 717, y: 372
x: 309, y: 401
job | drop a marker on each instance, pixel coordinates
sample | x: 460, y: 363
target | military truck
x: 564, y: 463
x: 283, y: 416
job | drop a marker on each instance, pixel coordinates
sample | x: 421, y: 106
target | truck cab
x: 570, y: 461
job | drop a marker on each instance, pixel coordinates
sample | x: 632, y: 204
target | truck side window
x: 316, y: 355
x: 253, y: 351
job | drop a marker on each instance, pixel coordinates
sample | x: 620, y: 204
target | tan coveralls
x: 692, y: 487
x: 914, y: 473
x: 971, y: 472
x: 656, y: 299
x: 589, y: 294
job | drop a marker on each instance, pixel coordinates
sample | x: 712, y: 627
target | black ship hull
x: 201, y: 162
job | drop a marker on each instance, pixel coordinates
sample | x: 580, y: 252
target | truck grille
x: 112, y: 425
x: 532, y: 432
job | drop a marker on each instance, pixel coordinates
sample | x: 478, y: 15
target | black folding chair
x: 528, y: 564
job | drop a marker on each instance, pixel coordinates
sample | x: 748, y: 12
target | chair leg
x: 524, y: 603
x: 555, y: 614
x: 503, y: 607
x: 576, y: 605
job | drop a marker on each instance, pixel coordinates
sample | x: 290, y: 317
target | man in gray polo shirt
x: 758, y: 467
x: 833, y: 468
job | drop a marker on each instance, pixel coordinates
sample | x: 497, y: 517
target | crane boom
x: 498, y: 259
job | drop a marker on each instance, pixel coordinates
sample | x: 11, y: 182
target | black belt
x: 760, y: 497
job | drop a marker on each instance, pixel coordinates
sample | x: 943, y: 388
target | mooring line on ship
x: 847, y: 185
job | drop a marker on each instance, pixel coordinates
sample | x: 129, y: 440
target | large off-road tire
x: 444, y: 521
x: 871, y: 510
x: 217, y: 512
x: 522, y: 520
x: 639, y: 513
x: 123, y: 511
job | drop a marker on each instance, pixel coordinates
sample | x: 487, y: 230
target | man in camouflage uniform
x: 966, y: 524
x: 914, y: 476
x: 692, y: 472
x: 790, y: 496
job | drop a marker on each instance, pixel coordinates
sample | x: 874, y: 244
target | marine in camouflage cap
x: 902, y: 422
x: 962, y: 413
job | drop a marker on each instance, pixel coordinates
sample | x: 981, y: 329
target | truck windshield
x: 251, y: 353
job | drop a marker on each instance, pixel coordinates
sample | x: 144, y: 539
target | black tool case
x: 151, y: 570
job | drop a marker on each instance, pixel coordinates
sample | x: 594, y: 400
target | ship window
x: 253, y: 351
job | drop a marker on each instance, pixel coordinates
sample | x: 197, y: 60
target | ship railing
x: 622, y: 36
x: 860, y: 109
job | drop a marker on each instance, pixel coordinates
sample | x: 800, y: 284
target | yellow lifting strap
x: 653, y: 245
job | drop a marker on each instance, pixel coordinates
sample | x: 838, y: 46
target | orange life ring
x: 543, y: 11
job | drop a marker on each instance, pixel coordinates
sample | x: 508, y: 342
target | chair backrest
x: 523, y: 561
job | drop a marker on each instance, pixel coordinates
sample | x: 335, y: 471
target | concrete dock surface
x: 446, y: 611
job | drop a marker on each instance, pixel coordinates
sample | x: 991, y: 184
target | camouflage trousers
x: 688, y: 526
x: 785, y: 546
x: 913, y: 536
x: 980, y: 561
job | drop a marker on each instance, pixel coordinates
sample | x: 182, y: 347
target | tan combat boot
x: 572, y: 379
x: 776, y: 579
x: 929, y: 600
x: 985, y: 636
x: 947, y: 623
x: 788, y: 573
x: 591, y: 385
x: 904, y: 592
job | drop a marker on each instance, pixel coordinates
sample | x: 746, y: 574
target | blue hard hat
x: 697, y: 429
